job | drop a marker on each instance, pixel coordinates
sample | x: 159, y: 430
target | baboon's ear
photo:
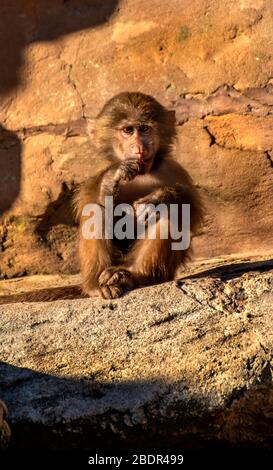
x: 172, y: 116
x: 90, y: 127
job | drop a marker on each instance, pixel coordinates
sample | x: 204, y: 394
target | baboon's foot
x: 114, y: 281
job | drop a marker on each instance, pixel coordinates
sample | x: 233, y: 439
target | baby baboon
x: 136, y: 135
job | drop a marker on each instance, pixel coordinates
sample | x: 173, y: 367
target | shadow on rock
x: 10, y: 168
x: 231, y: 271
x: 23, y: 23
x: 53, y: 412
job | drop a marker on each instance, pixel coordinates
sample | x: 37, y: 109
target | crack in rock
x: 225, y: 100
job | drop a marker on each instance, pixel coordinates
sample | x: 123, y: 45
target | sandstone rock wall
x: 211, y: 62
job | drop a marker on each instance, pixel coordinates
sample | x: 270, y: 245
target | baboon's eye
x: 128, y: 130
x: 144, y: 128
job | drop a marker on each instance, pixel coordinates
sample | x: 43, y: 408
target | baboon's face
x: 136, y: 140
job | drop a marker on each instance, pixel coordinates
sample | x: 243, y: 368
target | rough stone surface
x: 187, y: 364
x: 62, y: 60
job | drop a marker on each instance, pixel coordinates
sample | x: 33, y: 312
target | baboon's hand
x: 114, y: 281
x: 128, y: 169
x: 145, y: 207
x: 154, y: 198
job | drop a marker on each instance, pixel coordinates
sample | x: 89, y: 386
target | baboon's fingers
x: 123, y: 278
x: 114, y: 279
x: 105, y: 292
x: 126, y: 279
x: 111, y: 292
x: 106, y: 275
x: 116, y: 291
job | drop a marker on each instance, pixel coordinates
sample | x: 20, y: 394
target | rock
x: 234, y: 184
x: 188, y: 364
x: 63, y: 60
x: 242, y: 132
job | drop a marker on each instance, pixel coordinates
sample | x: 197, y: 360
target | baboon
x: 136, y: 136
